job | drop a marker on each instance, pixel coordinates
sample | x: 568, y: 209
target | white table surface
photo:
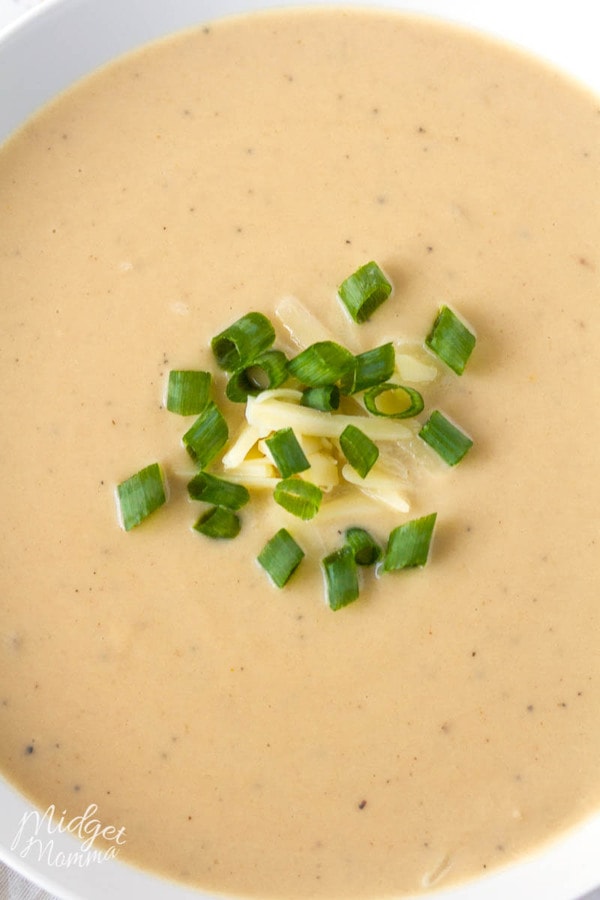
x: 12, y: 885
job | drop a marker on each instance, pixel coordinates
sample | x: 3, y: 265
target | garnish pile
x: 313, y: 423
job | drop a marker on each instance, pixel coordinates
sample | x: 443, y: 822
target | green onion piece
x: 266, y: 372
x: 299, y: 497
x: 371, y: 368
x: 140, y: 495
x: 451, y: 340
x: 341, y: 578
x: 402, y: 402
x: 287, y: 453
x: 321, y: 364
x: 237, y: 346
x: 364, y: 291
x: 326, y: 398
x: 359, y: 449
x: 211, y: 489
x: 365, y: 548
x: 280, y: 557
x: 218, y: 522
x: 188, y: 392
x: 207, y: 435
x: 445, y: 438
x: 408, y: 545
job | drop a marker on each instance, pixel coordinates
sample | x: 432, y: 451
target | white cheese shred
x: 241, y: 447
x: 414, y: 371
x: 301, y: 324
x: 380, y: 485
x: 272, y: 413
x: 248, y: 460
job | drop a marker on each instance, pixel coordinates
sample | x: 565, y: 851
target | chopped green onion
x: 359, y: 450
x: 445, y: 438
x: 299, y: 497
x: 288, y: 455
x: 207, y: 435
x: 451, y: 340
x: 140, y: 495
x: 408, y: 545
x: 188, y: 391
x: 364, y: 291
x: 218, y: 491
x: 326, y: 398
x: 280, y: 557
x: 371, y: 368
x: 404, y: 402
x: 341, y: 578
x: 218, y: 522
x: 321, y: 364
x: 240, y: 344
x: 365, y: 548
x: 266, y: 372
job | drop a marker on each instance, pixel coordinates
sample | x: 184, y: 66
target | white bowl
x: 49, y: 49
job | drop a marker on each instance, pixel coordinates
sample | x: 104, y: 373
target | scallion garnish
x: 365, y: 548
x: 218, y: 491
x: 299, y: 497
x: 239, y: 345
x: 207, y: 435
x: 140, y: 495
x: 326, y: 398
x: 445, y: 438
x: 280, y: 557
x: 218, y: 522
x: 266, y: 372
x: 360, y: 451
x: 321, y: 364
x: 364, y: 291
x: 275, y: 413
x: 341, y: 577
x: 370, y: 368
x: 408, y: 544
x: 394, y: 401
x: 288, y: 455
x: 188, y: 391
x: 451, y: 340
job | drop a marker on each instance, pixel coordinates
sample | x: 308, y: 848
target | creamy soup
x: 248, y: 739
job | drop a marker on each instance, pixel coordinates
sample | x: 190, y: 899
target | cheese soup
x: 249, y: 739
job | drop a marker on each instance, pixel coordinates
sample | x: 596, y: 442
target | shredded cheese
x: 273, y: 413
x: 255, y: 473
x: 414, y: 365
x: 302, y: 326
x: 241, y: 447
x: 379, y: 484
x: 324, y: 471
x: 248, y: 460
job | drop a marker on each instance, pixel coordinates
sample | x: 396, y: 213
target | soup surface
x: 251, y: 740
